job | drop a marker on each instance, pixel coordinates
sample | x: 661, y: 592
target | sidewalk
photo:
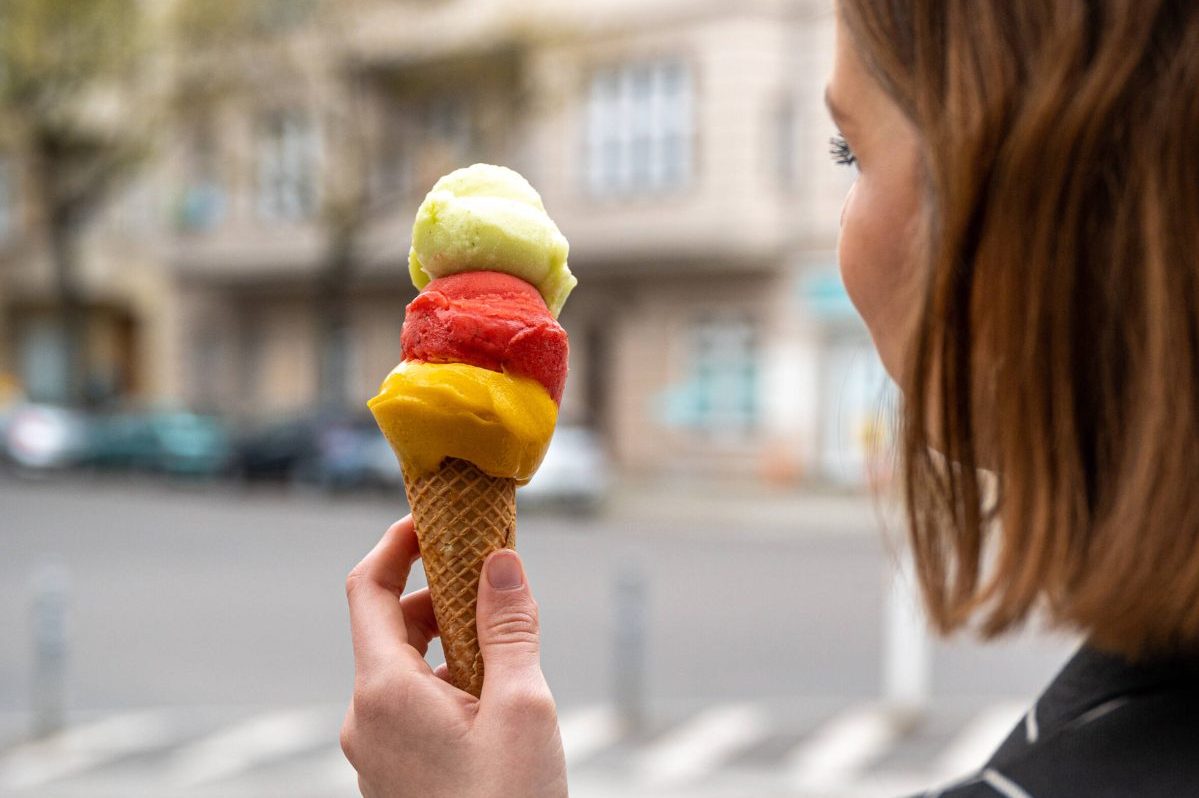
x: 710, y: 507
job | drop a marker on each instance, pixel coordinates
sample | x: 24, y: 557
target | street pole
x: 50, y: 588
x: 629, y: 639
x: 907, y: 652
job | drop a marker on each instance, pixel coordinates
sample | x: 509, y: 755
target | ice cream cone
x: 461, y: 515
x: 477, y: 391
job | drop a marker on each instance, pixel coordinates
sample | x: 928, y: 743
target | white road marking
x: 835, y: 757
x: 972, y: 747
x: 1031, y: 729
x: 702, y: 745
x: 885, y: 785
x: 587, y: 731
x: 840, y: 748
x: 85, y: 747
x: 260, y: 739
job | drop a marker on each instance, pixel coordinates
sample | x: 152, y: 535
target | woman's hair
x: 1058, y: 343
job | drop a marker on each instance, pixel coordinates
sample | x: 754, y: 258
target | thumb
x: 509, y: 632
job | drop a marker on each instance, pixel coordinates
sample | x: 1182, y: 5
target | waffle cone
x: 461, y: 516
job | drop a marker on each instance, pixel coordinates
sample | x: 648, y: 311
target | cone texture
x: 461, y: 516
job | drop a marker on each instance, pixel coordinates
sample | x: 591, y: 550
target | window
x: 42, y: 357
x: 288, y: 159
x: 202, y: 204
x: 395, y: 176
x: 639, y: 129
x: 420, y: 139
x: 136, y: 210
x: 725, y: 373
x: 857, y: 402
x: 448, y: 125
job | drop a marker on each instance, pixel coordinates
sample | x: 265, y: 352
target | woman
x: 1023, y: 242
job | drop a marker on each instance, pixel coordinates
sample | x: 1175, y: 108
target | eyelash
x: 841, y: 154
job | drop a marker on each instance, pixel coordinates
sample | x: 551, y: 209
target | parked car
x: 351, y: 453
x: 38, y: 437
x: 574, y: 475
x: 334, y: 452
x: 275, y: 450
x: 380, y: 467
x: 170, y: 442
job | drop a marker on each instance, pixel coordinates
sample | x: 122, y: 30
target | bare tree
x: 64, y: 65
x: 232, y: 48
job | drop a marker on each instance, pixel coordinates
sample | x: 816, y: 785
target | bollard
x: 629, y: 639
x: 50, y: 587
x: 907, y: 654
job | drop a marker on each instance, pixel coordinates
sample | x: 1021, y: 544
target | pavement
x: 752, y: 508
x: 206, y: 648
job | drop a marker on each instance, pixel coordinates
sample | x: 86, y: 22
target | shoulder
x: 1138, y: 745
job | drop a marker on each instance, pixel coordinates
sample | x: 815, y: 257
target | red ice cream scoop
x: 491, y: 320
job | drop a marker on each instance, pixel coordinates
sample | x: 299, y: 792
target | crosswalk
x: 745, y: 748
x: 843, y: 747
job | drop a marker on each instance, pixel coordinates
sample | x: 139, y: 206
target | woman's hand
x: 408, y: 732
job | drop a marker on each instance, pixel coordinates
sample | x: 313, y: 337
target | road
x: 205, y: 613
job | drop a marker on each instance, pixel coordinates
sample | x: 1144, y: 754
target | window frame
x: 288, y: 164
x: 639, y: 128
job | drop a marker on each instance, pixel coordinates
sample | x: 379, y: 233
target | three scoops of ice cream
x: 471, y: 408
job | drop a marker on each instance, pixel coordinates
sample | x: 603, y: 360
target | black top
x: 1104, y: 728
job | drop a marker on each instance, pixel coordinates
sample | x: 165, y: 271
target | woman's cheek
x: 859, y: 265
x: 871, y: 255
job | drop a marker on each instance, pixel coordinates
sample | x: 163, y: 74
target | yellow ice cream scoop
x: 488, y: 218
x: 500, y: 422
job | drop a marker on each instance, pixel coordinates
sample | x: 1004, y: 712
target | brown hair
x: 1059, y: 340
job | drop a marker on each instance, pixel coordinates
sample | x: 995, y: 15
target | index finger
x: 373, y: 589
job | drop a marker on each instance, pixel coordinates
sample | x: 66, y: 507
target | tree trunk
x: 71, y: 309
x: 333, y: 320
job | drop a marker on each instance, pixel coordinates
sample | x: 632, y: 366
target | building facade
x: 127, y: 312
x: 681, y: 146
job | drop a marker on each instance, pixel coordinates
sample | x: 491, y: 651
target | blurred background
x: 204, y: 216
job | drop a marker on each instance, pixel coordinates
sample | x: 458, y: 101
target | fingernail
x: 504, y: 571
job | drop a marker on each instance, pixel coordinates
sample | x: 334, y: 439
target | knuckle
x: 541, y: 705
x: 534, y: 702
x: 355, y: 579
x: 371, y: 703
x: 513, y: 637
x: 378, y: 700
x: 347, y: 739
x: 515, y: 624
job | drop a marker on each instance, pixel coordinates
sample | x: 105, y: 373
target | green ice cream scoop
x: 488, y: 218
